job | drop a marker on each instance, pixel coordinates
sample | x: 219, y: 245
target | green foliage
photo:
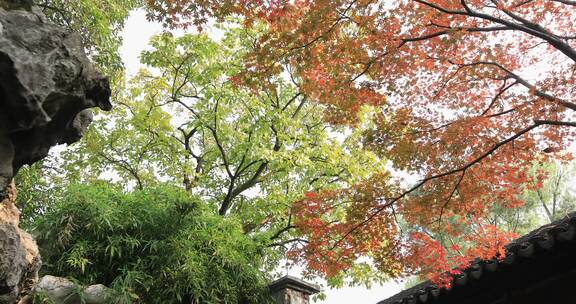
x: 548, y: 197
x: 555, y: 198
x: 236, y: 158
x: 43, y: 298
x: 250, y: 153
x: 412, y: 281
x: 159, y: 245
x: 36, y: 191
x: 99, y: 23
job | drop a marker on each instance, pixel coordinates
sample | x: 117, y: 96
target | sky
x: 137, y: 32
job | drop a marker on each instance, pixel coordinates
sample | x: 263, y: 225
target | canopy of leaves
x: 469, y: 93
x: 248, y: 153
x: 465, y: 94
x: 36, y: 193
x: 158, y: 245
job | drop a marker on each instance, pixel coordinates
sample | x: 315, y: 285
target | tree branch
x: 525, y: 26
x: 536, y: 123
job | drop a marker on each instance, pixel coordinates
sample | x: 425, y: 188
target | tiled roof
x: 536, y: 248
x: 294, y: 283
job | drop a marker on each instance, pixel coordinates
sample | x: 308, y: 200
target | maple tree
x: 467, y: 94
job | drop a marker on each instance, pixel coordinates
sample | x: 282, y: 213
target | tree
x: 99, y: 24
x: 158, y: 245
x: 550, y: 198
x: 37, y: 191
x: 465, y: 97
x: 555, y: 198
x: 249, y: 153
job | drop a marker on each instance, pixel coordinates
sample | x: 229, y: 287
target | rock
x: 98, y: 294
x: 46, y: 86
x: 19, y: 256
x: 64, y: 291
x: 16, y: 4
x: 59, y: 290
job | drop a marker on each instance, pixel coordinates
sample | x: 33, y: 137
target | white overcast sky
x: 137, y: 32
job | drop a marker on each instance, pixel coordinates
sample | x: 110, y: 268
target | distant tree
x: 555, y: 197
x: 548, y: 198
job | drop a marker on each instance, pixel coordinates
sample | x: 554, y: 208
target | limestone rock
x: 19, y: 256
x: 98, y: 294
x: 16, y: 4
x: 46, y: 86
x: 61, y: 290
